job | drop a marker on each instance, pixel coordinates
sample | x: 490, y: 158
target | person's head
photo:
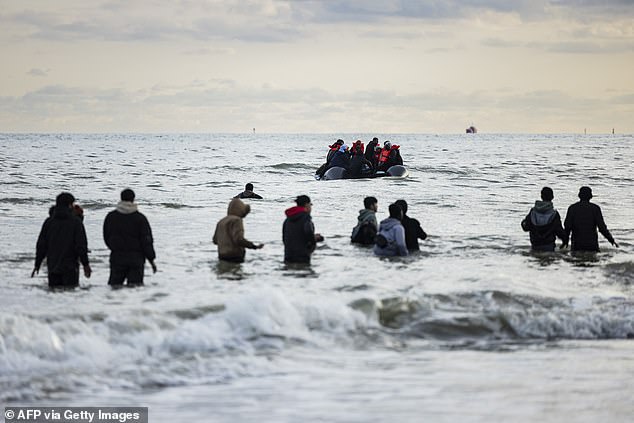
x: 403, y: 205
x: 248, y: 187
x: 547, y: 194
x: 375, y: 139
x: 377, y: 148
x: 585, y: 193
x: 127, y: 195
x: 65, y: 199
x: 387, y: 145
x: 304, y: 201
x: 396, y: 211
x: 238, y: 208
x: 371, y: 203
x: 339, y: 142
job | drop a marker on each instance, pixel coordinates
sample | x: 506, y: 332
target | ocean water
x: 472, y: 328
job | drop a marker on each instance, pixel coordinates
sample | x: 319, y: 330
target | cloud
x: 38, y: 72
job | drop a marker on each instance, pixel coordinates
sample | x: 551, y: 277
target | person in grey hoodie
x: 544, y: 223
x: 128, y: 235
x: 367, y: 226
x: 390, y: 241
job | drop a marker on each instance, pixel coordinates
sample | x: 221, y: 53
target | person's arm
x: 147, y: 241
x: 559, y: 230
x: 420, y: 233
x: 81, y: 248
x: 237, y: 234
x: 526, y: 223
x: 603, y: 227
x: 309, y: 234
x: 567, y: 227
x: 41, y: 248
x: 399, y: 237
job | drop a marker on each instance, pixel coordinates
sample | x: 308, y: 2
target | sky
x: 330, y: 66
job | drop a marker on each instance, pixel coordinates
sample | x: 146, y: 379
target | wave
x: 137, y: 349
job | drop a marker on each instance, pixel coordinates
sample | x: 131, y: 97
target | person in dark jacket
x: 413, y: 230
x: 582, y: 220
x: 544, y: 223
x: 248, y: 192
x: 62, y: 241
x: 332, y: 150
x: 298, y: 232
x: 367, y: 226
x: 341, y: 158
x: 358, y: 164
x: 128, y: 235
x: 369, y: 149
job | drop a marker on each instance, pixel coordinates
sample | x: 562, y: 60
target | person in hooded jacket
x: 341, y: 158
x: 128, y: 235
x: 390, y: 241
x: 544, y: 223
x: 413, y: 230
x: 367, y: 226
x: 229, y: 234
x: 62, y: 241
x: 298, y: 232
x: 332, y: 150
x: 582, y: 220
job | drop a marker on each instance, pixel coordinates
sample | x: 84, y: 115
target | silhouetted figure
x: 369, y: 149
x: 367, y: 226
x: 582, y: 220
x: 298, y: 232
x: 413, y: 230
x: 128, y: 235
x: 544, y: 223
x: 359, y: 166
x: 229, y: 234
x: 62, y: 241
x: 248, y: 192
x: 390, y: 241
x: 341, y: 158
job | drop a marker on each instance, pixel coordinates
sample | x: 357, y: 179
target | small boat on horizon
x: 472, y: 130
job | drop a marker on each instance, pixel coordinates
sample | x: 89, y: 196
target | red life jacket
x: 383, y: 156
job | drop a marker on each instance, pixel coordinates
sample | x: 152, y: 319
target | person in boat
x: 229, y: 234
x: 413, y: 230
x: 359, y: 165
x: 390, y: 155
x: 369, y: 149
x: 544, y: 223
x: 367, y: 226
x: 341, y: 158
x: 248, y: 193
x: 62, y: 241
x: 390, y: 241
x: 298, y: 232
x: 582, y: 221
x: 332, y: 150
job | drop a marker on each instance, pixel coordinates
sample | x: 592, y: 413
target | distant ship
x: 471, y: 130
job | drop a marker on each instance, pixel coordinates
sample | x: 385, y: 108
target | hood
x: 238, y: 208
x: 543, y: 213
x: 388, y: 224
x: 295, y: 212
x: 60, y: 212
x: 127, y: 207
x: 365, y: 214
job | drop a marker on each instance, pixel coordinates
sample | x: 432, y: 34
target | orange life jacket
x: 385, y: 153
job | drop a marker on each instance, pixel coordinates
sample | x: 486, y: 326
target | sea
x: 473, y: 328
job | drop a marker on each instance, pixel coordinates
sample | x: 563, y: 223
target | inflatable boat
x: 396, y: 171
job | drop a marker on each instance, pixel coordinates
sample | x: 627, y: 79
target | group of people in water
x: 360, y: 161
x: 127, y: 233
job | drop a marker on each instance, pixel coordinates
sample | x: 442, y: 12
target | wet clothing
x: 413, y: 232
x: 229, y: 234
x: 544, y: 224
x: 248, y: 194
x: 128, y: 235
x: 394, y: 233
x: 341, y: 159
x: 62, y: 241
x: 298, y: 234
x: 582, y: 220
x: 369, y: 150
x: 366, y: 228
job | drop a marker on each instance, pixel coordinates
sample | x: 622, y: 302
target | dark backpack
x: 366, y: 233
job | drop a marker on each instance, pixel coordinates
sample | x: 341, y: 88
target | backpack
x: 365, y: 233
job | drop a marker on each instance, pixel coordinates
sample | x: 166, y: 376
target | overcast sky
x: 391, y: 66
